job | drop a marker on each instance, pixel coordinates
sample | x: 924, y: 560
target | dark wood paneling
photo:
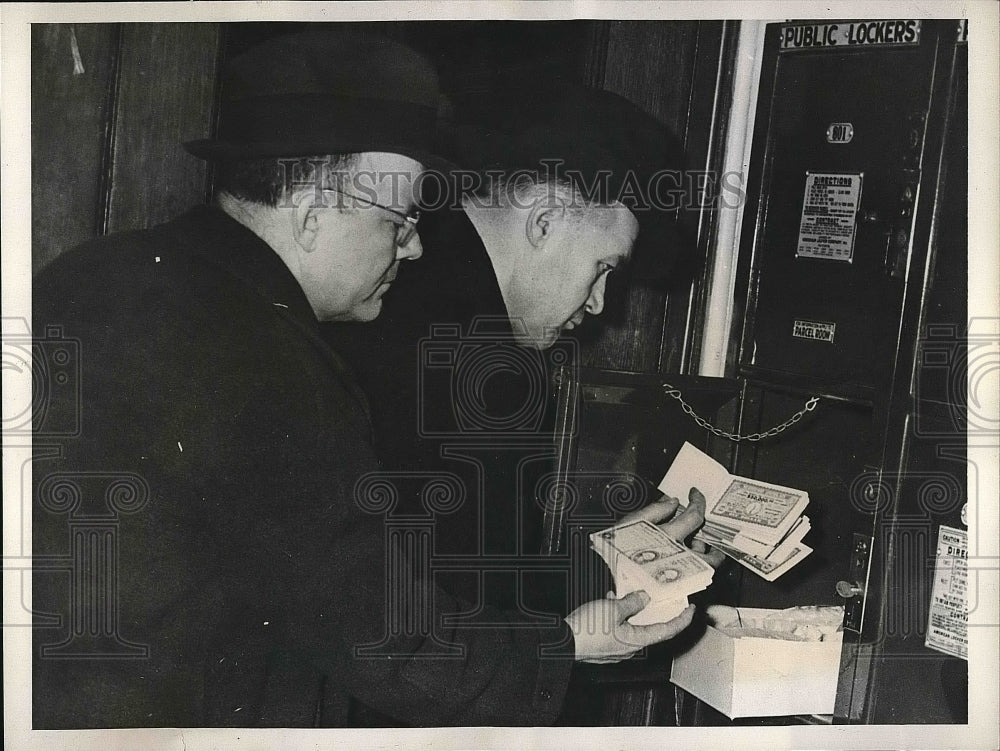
x: 470, y: 56
x: 166, y: 96
x: 651, y: 64
x: 70, y: 111
x: 704, y: 145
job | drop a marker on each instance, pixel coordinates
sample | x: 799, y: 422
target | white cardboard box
x: 760, y: 677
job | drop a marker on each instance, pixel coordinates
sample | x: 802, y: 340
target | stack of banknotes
x: 642, y: 556
x: 756, y: 523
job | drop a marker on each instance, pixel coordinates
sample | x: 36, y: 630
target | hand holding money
x: 644, y: 557
x: 758, y: 524
x: 682, y: 524
x: 602, y: 633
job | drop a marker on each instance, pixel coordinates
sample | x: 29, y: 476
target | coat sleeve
x: 379, y: 625
x: 252, y: 448
x: 359, y: 593
x: 360, y: 600
x: 365, y: 609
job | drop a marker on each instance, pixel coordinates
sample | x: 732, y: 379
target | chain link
x: 674, y: 393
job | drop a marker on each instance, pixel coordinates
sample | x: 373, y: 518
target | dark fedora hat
x: 602, y: 143
x: 325, y: 91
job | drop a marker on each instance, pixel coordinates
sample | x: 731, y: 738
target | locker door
x: 926, y: 461
x: 843, y: 187
x: 840, y: 142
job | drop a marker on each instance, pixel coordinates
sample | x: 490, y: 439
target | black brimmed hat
x: 325, y: 91
x: 602, y: 143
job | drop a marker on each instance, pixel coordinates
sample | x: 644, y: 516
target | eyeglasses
x: 404, y: 231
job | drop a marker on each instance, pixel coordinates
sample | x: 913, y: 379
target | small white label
x: 829, y: 215
x: 948, y: 620
x: 815, y: 330
x: 839, y: 133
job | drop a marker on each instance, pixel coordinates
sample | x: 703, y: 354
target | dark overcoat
x: 452, y: 391
x: 209, y: 552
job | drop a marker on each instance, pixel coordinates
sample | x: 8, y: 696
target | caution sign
x: 850, y: 35
x: 829, y: 215
x: 948, y: 621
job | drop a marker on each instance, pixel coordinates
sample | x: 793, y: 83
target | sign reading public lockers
x: 850, y: 34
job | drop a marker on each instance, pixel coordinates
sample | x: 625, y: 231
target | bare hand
x: 682, y: 523
x: 602, y: 633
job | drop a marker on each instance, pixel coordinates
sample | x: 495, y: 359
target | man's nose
x: 595, y: 303
x: 412, y: 250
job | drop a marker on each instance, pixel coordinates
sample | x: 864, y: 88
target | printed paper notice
x: 829, y: 215
x: 947, y: 624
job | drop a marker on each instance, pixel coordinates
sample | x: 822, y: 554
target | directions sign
x: 829, y: 215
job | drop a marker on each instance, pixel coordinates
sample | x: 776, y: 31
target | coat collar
x: 459, y: 281
x: 229, y: 245
x: 244, y: 255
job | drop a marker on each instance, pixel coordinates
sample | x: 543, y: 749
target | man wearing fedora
x: 216, y: 560
x: 569, y: 189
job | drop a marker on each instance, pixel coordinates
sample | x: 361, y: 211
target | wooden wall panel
x: 704, y: 141
x: 70, y: 111
x: 167, y: 95
x: 651, y: 63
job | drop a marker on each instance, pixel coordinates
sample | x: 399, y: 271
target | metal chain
x: 674, y: 393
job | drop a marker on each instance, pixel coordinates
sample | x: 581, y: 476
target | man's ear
x: 543, y: 219
x: 304, y: 218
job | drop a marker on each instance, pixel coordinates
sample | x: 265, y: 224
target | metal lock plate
x: 857, y: 581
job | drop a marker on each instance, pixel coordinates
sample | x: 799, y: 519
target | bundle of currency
x: 642, y: 556
x: 756, y: 523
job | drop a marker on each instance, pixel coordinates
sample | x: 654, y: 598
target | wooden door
x: 110, y: 106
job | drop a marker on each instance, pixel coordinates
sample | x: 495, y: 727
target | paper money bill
x: 720, y: 536
x: 769, y: 570
x: 714, y: 535
x: 642, y: 556
x: 761, y: 511
x: 659, y: 612
x: 790, y: 540
x: 750, y: 515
